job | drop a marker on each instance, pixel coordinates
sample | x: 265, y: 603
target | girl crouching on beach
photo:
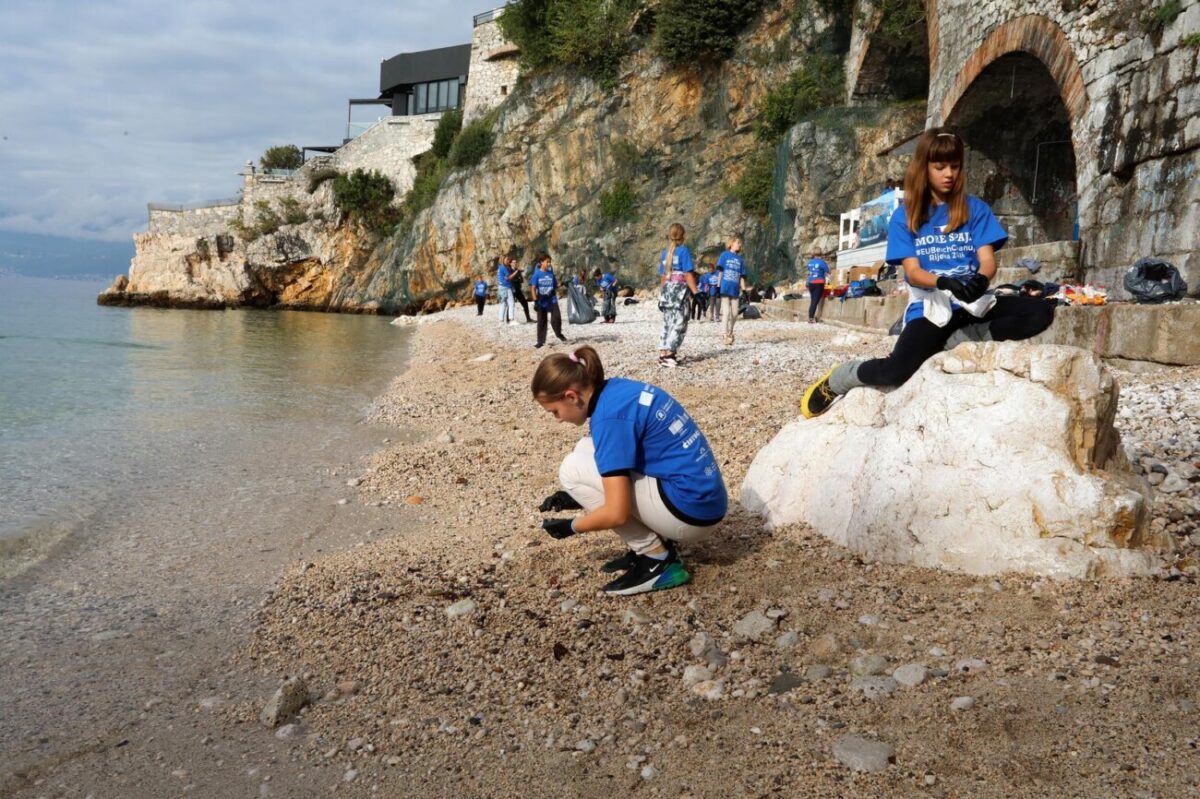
x: 946, y: 240
x: 645, y: 471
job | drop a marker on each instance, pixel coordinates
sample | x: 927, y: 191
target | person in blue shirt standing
x: 731, y: 270
x: 677, y: 284
x: 946, y: 241
x: 818, y: 273
x: 608, y: 292
x: 481, y: 292
x: 508, y: 309
x: 645, y: 471
x: 544, y: 284
x: 712, y: 287
x: 700, y: 298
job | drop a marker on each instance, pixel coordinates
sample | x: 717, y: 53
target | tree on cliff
x: 285, y: 156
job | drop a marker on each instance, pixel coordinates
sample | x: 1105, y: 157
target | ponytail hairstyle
x: 558, y: 373
x: 675, y: 234
x: 937, y: 146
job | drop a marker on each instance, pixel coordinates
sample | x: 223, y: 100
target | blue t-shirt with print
x: 545, y: 287
x: 639, y: 427
x: 732, y: 269
x: 502, y: 277
x: 954, y: 254
x: 818, y: 270
x: 481, y: 288
x: 712, y: 283
x: 680, y: 262
x: 607, y: 281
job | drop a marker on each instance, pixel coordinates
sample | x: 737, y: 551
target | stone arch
x: 1032, y: 34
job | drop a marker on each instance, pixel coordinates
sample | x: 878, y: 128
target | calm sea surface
x: 106, y: 405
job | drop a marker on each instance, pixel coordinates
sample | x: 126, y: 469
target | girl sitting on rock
x: 946, y: 241
x: 677, y: 285
x: 645, y: 471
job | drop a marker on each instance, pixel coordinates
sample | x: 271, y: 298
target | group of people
x: 646, y: 470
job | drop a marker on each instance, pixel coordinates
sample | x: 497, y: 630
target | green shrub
x: 367, y: 198
x: 473, y: 144
x: 447, y: 130
x: 1191, y: 40
x: 1157, y: 20
x: 618, y: 203
x: 241, y: 229
x: 591, y: 36
x: 285, y: 156
x: 320, y: 177
x: 291, y: 211
x: 691, y: 30
x: 431, y: 171
x: 816, y: 84
x: 753, y: 188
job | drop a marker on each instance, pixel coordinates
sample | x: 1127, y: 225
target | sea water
x: 103, y: 407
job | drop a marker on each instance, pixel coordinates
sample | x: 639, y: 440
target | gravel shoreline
x: 473, y: 656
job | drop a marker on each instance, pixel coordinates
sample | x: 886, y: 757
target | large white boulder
x: 997, y: 457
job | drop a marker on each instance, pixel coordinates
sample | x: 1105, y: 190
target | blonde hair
x: 558, y: 373
x: 938, y: 146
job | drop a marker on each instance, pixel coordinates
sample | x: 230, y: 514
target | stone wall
x: 1132, y: 97
x: 494, y: 70
x: 196, y: 222
x: 389, y: 147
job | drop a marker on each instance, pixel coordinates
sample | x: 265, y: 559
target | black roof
x: 428, y: 65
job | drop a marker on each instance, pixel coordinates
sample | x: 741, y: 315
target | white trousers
x: 651, y: 521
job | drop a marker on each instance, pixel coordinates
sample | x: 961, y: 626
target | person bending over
x: 645, y: 470
x: 946, y: 241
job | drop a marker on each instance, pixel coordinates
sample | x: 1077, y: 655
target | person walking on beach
x: 818, y: 271
x: 608, y: 292
x: 481, y: 292
x: 946, y: 241
x: 516, y: 277
x: 504, y: 292
x: 644, y: 471
x: 732, y: 271
x: 676, y: 285
x: 712, y: 287
x: 545, y: 293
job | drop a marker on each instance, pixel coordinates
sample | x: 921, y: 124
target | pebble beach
x: 473, y: 655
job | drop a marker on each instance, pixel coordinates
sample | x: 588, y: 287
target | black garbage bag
x: 580, y: 310
x: 1153, y: 281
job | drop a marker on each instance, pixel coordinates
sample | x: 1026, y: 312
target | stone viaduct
x: 1082, y: 118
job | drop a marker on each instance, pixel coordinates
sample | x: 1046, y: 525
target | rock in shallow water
x: 929, y: 493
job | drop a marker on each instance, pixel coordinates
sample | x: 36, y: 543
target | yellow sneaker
x: 818, y: 397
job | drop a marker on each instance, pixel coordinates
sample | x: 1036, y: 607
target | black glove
x: 967, y: 289
x: 558, y: 528
x: 559, y: 501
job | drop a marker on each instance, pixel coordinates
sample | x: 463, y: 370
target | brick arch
x: 1031, y: 34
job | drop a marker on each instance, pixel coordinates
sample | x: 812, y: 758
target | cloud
x: 107, y: 106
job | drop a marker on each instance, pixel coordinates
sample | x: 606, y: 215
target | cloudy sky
x: 106, y: 105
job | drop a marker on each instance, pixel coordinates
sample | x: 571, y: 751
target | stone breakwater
x: 473, y: 655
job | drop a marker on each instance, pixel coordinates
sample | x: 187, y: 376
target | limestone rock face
x: 997, y: 457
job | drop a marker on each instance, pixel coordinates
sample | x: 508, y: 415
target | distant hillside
x: 54, y: 256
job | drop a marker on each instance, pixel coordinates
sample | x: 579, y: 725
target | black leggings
x: 519, y: 296
x: 815, y: 292
x: 1011, y: 319
x: 479, y: 303
x: 555, y: 318
x: 699, y: 306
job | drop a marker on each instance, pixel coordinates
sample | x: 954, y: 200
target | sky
x: 106, y: 105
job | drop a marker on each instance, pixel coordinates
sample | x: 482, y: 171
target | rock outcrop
x: 992, y: 458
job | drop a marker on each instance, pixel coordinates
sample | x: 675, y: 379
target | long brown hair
x: 558, y: 372
x: 938, y: 146
x: 676, y: 235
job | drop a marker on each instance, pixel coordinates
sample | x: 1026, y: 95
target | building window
x: 435, y: 96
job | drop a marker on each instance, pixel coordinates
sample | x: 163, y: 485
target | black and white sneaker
x: 621, y: 563
x: 649, y: 574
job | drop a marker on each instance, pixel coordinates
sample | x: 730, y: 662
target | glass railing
x: 488, y: 16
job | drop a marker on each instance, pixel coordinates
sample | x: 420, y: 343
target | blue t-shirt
x: 681, y: 262
x: 481, y: 288
x: 953, y: 254
x: 639, y: 427
x: 711, y: 283
x: 732, y: 269
x: 818, y: 270
x: 545, y: 286
x: 607, y: 281
x: 502, y: 277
